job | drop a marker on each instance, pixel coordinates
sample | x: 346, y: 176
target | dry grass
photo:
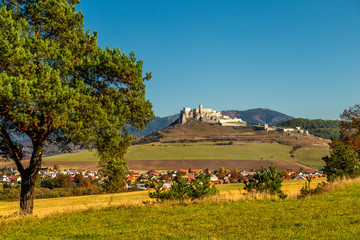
x: 338, y: 185
x: 231, y: 192
x: 44, y: 207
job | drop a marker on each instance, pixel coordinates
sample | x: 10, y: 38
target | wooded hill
x: 321, y: 128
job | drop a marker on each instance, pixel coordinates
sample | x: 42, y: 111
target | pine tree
x: 57, y: 86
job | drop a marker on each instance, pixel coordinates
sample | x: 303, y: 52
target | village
x: 142, y: 180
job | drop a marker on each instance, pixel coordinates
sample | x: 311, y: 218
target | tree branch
x: 12, y: 149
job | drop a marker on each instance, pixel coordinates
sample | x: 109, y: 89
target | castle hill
x: 179, y: 119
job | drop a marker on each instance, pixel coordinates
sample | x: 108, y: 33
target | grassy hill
x: 312, y: 157
x: 329, y: 216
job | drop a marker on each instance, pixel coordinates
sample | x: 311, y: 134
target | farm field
x: 312, y: 157
x: 210, y: 150
x: 200, y: 155
x: 166, y: 151
x: 332, y: 215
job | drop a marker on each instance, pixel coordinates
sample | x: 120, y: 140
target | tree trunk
x: 27, y: 193
x: 28, y: 179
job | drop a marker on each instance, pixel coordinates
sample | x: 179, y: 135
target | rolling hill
x: 258, y: 116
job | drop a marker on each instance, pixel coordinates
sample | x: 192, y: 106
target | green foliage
x: 343, y: 162
x: 267, y: 181
x: 57, y: 86
x: 318, y: 127
x: 47, y: 182
x: 41, y: 193
x: 181, y: 190
x: 201, y: 187
x: 115, y: 171
x: 62, y: 181
x: 307, y: 191
x: 81, y: 181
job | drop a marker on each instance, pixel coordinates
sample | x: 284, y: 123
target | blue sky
x: 299, y: 57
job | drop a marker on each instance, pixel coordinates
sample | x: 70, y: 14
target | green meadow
x: 87, y: 156
x: 333, y: 215
x: 312, y: 157
x: 165, y: 151
x: 207, y: 150
x: 237, y: 151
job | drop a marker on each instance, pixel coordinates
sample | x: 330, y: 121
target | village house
x: 4, y: 179
x: 14, y: 179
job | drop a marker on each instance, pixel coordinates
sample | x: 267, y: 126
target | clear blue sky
x: 299, y: 57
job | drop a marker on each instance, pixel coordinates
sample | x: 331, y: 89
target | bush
x: 180, y: 189
x: 266, y: 181
x: 307, y: 191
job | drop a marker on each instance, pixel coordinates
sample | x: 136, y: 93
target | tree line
x: 321, y: 128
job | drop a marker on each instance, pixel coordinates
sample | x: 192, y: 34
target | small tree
x: 201, y: 187
x: 82, y: 181
x: 268, y: 181
x: 160, y: 193
x: 62, y: 181
x: 47, y: 182
x: 181, y: 190
x: 342, y: 163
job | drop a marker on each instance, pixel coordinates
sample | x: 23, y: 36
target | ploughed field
x: 333, y: 215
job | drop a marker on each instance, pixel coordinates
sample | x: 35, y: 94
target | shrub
x: 307, y: 191
x: 180, y: 189
x: 266, y: 181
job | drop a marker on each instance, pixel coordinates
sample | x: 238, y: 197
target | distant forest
x: 318, y: 127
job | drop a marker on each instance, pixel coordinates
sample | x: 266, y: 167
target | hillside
x: 259, y: 116
x: 194, y: 131
x: 321, y: 128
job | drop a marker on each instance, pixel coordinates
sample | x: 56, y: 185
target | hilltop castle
x: 208, y: 115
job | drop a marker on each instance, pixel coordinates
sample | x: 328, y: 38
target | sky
x: 299, y: 57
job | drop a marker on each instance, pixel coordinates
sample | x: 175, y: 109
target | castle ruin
x: 209, y: 115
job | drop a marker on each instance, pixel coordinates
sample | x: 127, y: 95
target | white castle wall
x: 208, y: 115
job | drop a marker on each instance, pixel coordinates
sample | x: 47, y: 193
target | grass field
x: 237, y: 151
x: 311, y: 157
x: 43, y: 207
x: 243, y: 151
x: 88, y: 156
x: 196, y: 151
x: 332, y: 215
